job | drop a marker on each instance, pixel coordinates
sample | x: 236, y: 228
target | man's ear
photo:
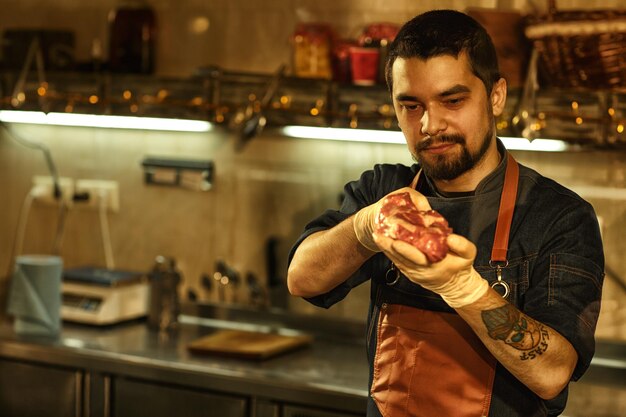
x: 498, y: 97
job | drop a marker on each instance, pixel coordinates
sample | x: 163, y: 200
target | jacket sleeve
x: 566, y: 284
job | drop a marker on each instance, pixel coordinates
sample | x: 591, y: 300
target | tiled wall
x: 271, y: 188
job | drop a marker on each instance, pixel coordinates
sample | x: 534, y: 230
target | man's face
x: 445, y: 113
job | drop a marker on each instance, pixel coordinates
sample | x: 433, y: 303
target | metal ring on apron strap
x: 500, y: 282
x: 391, y: 280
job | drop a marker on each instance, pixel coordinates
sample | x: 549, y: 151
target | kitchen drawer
x: 265, y: 408
x: 39, y: 390
x: 294, y: 411
x: 132, y: 398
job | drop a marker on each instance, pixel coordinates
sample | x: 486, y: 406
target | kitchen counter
x: 331, y: 373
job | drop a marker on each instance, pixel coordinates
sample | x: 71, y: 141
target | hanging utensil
x: 253, y: 119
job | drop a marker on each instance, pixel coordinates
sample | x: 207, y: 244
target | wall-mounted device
x: 193, y: 174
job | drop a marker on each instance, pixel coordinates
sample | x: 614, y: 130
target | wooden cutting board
x: 248, y: 345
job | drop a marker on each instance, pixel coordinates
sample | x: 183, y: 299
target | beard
x: 446, y: 167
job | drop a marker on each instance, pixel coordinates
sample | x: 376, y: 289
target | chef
x: 506, y: 319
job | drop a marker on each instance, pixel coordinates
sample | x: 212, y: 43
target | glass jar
x: 312, y: 47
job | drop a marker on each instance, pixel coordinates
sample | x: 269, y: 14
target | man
x: 502, y: 324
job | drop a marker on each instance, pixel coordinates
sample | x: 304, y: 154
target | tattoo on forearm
x: 508, y: 324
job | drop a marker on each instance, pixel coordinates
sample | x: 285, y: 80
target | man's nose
x: 432, y: 123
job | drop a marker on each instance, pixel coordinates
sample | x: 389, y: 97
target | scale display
x: 81, y: 302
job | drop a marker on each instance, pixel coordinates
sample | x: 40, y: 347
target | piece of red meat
x: 427, y: 230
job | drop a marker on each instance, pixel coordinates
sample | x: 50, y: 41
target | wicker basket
x: 580, y: 48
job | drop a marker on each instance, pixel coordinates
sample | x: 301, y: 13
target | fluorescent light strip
x: 343, y: 134
x: 394, y: 137
x: 542, y: 145
x: 108, y: 122
x: 184, y: 125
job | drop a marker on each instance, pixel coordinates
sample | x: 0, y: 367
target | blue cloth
x: 35, y: 295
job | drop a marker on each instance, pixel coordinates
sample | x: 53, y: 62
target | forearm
x: 538, y: 356
x: 326, y: 259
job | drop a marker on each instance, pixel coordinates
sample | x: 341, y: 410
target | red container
x: 364, y: 63
x: 379, y: 35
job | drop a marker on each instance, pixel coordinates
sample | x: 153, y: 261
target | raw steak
x: 426, y: 230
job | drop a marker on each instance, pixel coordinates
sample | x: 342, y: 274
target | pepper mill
x: 164, y: 299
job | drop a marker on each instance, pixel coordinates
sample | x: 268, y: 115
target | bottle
x: 132, y: 38
x: 164, y: 298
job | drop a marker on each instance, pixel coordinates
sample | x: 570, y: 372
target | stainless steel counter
x: 332, y: 371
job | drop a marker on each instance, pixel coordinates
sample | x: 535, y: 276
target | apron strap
x: 416, y: 179
x: 505, y: 213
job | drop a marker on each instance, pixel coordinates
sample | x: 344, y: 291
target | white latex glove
x: 453, y: 278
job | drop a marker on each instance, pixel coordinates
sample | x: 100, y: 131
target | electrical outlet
x: 43, y: 187
x: 98, y: 190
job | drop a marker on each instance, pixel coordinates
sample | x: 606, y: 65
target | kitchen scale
x: 102, y: 296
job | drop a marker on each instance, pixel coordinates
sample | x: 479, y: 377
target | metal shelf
x: 591, y: 119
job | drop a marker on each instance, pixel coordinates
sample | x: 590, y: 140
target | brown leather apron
x: 432, y: 364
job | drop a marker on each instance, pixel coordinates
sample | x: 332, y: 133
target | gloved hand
x: 454, y: 278
x: 364, y: 220
x: 364, y: 223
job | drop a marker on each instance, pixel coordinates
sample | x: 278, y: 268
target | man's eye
x: 411, y: 107
x: 455, y: 101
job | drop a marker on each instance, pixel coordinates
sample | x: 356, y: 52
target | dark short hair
x: 446, y: 32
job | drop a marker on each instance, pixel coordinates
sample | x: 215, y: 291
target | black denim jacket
x: 555, y: 264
